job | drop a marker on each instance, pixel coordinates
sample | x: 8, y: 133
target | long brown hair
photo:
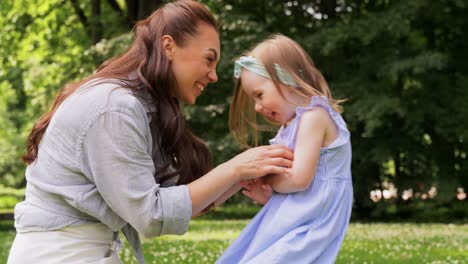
x: 188, y: 154
x: 281, y: 50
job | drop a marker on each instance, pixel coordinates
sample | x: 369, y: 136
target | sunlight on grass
x: 365, y: 243
x: 405, y: 243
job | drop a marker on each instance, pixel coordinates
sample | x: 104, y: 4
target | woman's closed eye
x: 210, y: 61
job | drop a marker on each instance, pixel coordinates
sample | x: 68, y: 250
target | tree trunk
x: 96, y: 25
x: 147, y: 7
x: 140, y: 9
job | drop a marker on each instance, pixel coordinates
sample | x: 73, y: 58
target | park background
x: 401, y: 65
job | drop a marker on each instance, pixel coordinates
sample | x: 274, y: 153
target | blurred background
x: 402, y: 65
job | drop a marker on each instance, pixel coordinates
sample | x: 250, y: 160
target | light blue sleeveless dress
x: 307, y: 226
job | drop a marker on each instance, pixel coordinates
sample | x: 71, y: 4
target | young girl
x: 306, y: 218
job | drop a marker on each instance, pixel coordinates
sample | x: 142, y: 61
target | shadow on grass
x: 7, y: 225
x: 426, y: 211
x: 232, y: 212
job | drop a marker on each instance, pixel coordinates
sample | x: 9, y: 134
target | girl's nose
x: 258, y: 107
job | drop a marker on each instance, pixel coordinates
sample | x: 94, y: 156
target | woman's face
x: 194, y: 64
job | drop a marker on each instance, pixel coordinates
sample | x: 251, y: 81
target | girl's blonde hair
x: 289, y: 55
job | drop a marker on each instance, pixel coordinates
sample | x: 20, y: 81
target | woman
x: 115, y: 151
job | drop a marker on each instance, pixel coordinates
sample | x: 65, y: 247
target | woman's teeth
x: 201, y: 87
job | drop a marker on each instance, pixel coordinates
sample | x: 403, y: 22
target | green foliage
x: 45, y: 49
x: 7, y: 202
x: 417, y: 211
x: 9, y: 197
x: 398, y: 71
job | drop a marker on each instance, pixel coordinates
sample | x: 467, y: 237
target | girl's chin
x: 276, y: 120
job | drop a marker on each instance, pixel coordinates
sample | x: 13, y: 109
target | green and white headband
x: 256, y: 66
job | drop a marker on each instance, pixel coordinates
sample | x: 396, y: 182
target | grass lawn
x: 364, y: 243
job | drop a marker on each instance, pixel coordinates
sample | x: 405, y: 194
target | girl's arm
x: 312, y: 132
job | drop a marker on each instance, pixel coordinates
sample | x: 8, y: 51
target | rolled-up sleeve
x: 116, y: 156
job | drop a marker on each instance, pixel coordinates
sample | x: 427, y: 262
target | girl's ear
x: 168, y: 45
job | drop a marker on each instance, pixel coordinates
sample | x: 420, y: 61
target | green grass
x: 405, y: 243
x: 7, y: 234
x: 364, y: 243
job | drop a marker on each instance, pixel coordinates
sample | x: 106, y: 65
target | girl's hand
x: 259, y: 161
x: 257, y: 190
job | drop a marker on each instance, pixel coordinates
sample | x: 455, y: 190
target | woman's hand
x: 257, y: 190
x: 259, y: 161
x: 250, y: 164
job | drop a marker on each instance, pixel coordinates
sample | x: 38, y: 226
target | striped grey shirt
x: 96, y: 162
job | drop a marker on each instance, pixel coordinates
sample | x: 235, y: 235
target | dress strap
x: 115, y: 242
x: 322, y: 101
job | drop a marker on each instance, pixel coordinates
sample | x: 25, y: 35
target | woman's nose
x: 212, y: 76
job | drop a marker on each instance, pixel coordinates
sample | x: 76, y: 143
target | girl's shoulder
x: 318, y: 116
x: 320, y: 110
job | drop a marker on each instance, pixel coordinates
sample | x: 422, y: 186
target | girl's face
x: 268, y: 101
x: 194, y: 65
